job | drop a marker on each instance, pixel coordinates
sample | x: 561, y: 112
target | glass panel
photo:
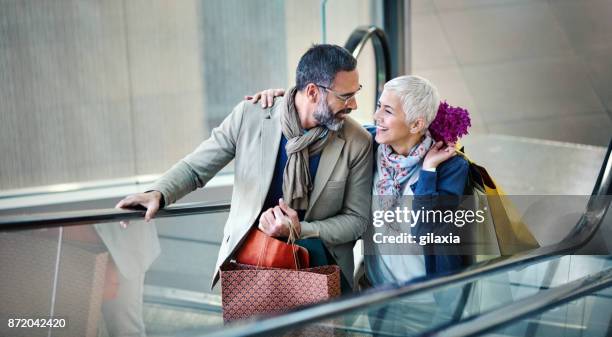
x: 588, y: 316
x: 28, y: 275
x: 102, y: 285
x: 113, y: 280
x: 95, y: 294
x: 415, y: 314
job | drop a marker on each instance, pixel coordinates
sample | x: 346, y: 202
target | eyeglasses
x: 343, y: 97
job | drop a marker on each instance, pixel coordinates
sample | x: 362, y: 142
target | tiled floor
x: 530, y: 68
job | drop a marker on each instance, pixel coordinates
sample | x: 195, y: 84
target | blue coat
x: 449, y: 179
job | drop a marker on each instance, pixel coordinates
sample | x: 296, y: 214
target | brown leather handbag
x: 262, y: 250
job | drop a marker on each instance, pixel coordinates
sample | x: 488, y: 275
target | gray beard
x: 325, y: 117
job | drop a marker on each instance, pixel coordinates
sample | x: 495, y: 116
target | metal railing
x: 382, y: 54
x: 76, y: 218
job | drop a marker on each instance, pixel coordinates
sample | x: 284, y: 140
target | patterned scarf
x: 396, y: 171
x: 297, y: 182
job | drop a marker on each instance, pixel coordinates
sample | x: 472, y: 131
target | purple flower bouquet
x: 450, y: 124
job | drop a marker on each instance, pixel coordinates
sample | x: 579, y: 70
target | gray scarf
x: 297, y: 182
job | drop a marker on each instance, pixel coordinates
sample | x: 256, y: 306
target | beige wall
x: 98, y: 90
x: 90, y: 88
x: 531, y: 68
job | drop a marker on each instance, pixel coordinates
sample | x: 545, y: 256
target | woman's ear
x: 417, y: 126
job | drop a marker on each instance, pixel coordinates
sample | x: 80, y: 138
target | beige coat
x: 339, y: 205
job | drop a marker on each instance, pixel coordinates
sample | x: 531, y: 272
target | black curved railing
x: 382, y: 54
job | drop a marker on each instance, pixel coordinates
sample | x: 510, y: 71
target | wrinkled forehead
x: 346, y: 81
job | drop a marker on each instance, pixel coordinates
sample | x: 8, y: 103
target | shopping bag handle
x: 293, y: 236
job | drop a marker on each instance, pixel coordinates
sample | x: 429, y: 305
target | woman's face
x: 391, y: 126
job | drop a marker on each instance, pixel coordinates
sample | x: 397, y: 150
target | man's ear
x: 312, y: 92
x: 417, y: 126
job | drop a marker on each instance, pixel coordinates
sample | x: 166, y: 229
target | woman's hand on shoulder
x: 438, y: 153
x: 266, y: 97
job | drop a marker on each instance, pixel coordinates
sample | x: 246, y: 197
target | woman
x: 409, y: 163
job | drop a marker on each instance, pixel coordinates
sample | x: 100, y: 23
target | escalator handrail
x: 85, y: 217
x: 582, y: 233
x: 532, y: 305
x: 382, y: 53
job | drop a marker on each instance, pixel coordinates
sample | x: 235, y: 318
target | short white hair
x: 419, y: 98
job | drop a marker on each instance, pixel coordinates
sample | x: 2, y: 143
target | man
x: 304, y: 149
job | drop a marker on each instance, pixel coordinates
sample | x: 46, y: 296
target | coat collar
x: 270, y: 141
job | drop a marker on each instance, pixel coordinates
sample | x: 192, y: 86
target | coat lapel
x: 270, y: 141
x: 329, y: 158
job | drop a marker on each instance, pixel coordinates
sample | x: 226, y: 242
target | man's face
x: 332, y: 108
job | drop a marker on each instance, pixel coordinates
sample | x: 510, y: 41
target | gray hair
x: 321, y: 63
x: 419, y: 98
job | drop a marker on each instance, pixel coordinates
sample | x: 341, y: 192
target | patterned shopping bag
x: 250, y: 290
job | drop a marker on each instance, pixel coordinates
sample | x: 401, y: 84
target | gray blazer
x: 339, y: 206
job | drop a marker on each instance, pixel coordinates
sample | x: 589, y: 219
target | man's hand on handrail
x: 149, y: 200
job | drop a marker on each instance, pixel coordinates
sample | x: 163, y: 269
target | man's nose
x: 351, y: 103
